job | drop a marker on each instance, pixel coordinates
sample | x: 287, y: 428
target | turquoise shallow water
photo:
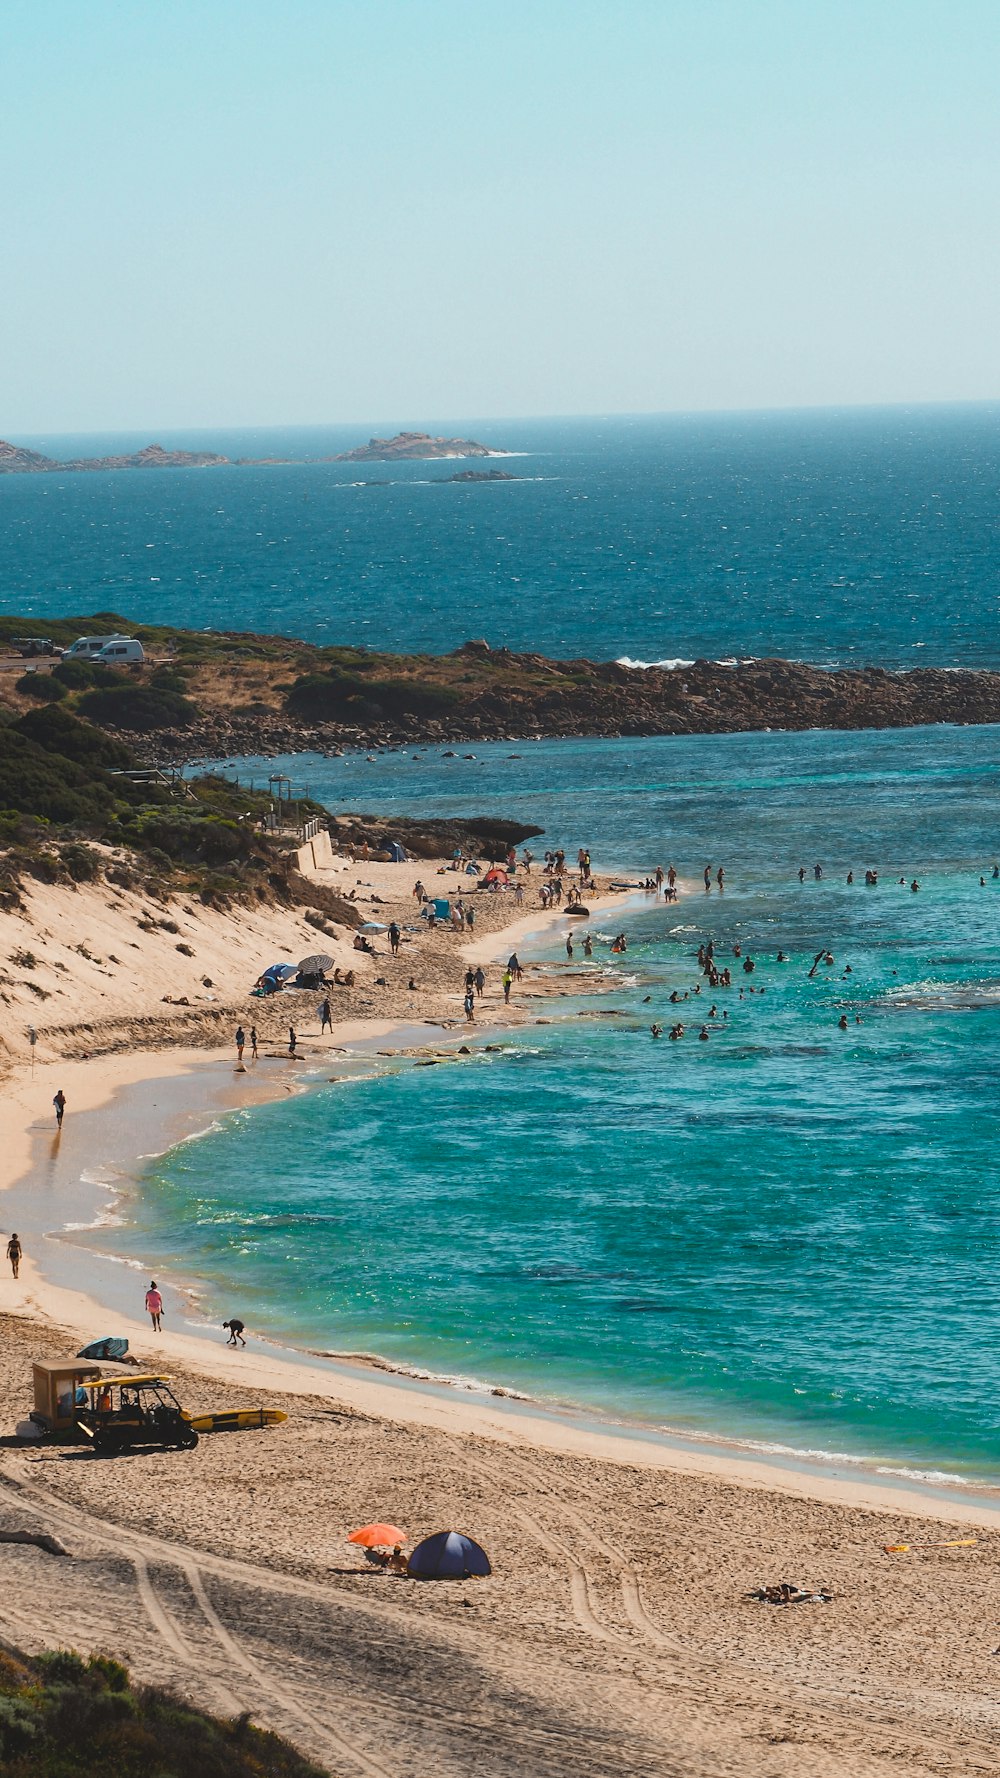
x: 789, y: 1233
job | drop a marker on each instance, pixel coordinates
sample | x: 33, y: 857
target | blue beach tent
x: 448, y: 1555
x: 397, y: 853
x: 442, y: 907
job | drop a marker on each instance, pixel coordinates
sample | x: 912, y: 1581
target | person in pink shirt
x: 154, y: 1305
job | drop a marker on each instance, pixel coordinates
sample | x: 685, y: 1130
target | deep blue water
x: 790, y: 1232
x: 847, y: 536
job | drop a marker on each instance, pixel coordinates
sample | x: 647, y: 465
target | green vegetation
x: 63, y: 1717
x: 139, y: 708
x: 64, y: 783
x: 357, y: 698
x: 40, y: 686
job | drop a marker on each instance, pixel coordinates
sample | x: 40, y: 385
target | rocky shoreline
x: 608, y: 700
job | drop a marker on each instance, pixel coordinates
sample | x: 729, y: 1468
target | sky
x: 324, y: 211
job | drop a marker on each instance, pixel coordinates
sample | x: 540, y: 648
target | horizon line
x: 596, y: 415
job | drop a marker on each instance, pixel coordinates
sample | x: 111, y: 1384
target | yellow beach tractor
x: 126, y: 1413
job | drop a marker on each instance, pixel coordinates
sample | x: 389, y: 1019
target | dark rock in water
x: 480, y: 475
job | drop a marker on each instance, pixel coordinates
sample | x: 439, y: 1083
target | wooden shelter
x: 56, y: 1383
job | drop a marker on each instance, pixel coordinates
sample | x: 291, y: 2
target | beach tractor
x: 128, y: 1413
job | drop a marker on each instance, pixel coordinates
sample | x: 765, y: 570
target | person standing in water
x: 14, y: 1254
x: 60, y: 1106
x: 569, y: 944
x: 253, y: 1043
x: 154, y: 1305
x: 240, y: 1040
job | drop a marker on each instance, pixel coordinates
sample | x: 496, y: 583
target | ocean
x: 841, y: 537
x: 787, y: 1234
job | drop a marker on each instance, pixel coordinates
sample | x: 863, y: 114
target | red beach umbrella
x: 373, y: 1537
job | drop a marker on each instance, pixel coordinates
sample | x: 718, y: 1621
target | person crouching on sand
x: 154, y: 1305
x: 235, y: 1327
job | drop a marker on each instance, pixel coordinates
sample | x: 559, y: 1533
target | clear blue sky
x: 243, y: 211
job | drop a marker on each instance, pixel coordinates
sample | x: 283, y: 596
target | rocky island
x: 16, y: 460
x: 413, y: 447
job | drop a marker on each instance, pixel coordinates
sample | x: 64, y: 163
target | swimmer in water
x: 656, y: 1030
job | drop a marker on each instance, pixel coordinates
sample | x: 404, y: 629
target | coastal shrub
x: 63, y: 1717
x: 38, y: 782
x: 80, y: 675
x: 139, y: 708
x: 43, y: 687
x: 82, y: 863
x: 59, y: 732
x: 352, y: 698
x: 205, y: 839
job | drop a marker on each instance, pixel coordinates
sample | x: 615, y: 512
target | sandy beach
x: 615, y: 1635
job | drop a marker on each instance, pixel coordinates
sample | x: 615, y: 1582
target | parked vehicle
x: 122, y: 652
x: 123, y: 1412
x: 87, y: 648
x: 30, y: 647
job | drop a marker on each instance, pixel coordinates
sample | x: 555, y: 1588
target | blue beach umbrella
x: 448, y: 1555
x: 279, y: 972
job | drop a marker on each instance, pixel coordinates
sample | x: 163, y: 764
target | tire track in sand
x: 136, y: 1546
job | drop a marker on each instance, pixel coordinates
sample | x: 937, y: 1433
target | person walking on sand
x: 394, y: 938
x: 507, y: 983
x: 325, y: 1015
x: 154, y: 1305
x: 480, y: 980
x: 253, y: 1043
x: 60, y: 1106
x: 292, y: 1040
x: 513, y: 964
x: 235, y: 1331
x: 240, y: 1040
x: 14, y: 1254
x: 470, y: 1005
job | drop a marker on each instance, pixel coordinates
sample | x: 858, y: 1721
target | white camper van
x: 123, y: 651
x: 87, y: 648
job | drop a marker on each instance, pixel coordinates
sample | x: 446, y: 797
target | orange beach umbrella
x: 372, y: 1537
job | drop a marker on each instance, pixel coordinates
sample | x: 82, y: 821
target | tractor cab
x: 120, y: 1413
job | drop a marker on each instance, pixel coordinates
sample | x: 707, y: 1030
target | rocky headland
x: 208, y: 695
